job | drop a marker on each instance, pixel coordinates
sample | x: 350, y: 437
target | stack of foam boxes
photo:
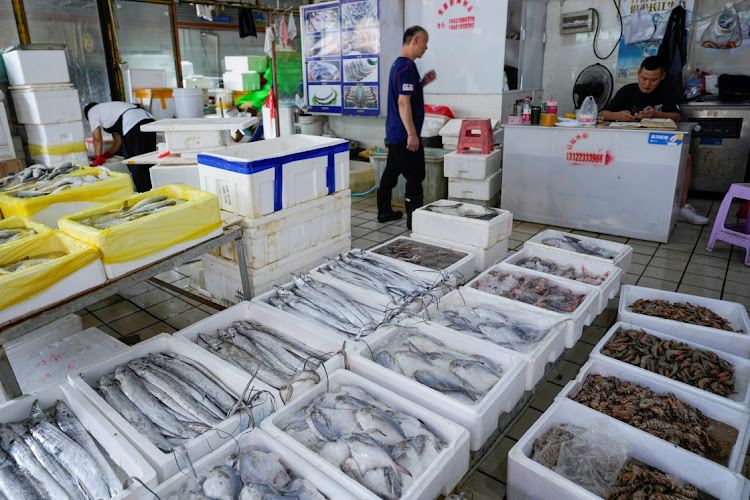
x: 474, y: 177
x: 46, y: 103
x: 291, y: 198
x: 243, y: 72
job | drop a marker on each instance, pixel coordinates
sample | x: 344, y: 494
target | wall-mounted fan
x: 596, y: 81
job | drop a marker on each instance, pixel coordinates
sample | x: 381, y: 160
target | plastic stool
x: 467, y: 139
x: 737, y: 234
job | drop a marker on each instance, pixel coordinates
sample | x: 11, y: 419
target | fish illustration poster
x: 341, y: 50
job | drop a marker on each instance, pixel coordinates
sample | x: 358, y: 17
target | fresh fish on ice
x: 461, y: 210
x: 579, y: 246
x: 570, y: 272
x: 530, y: 290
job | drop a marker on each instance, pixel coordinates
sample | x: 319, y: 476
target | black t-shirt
x: 630, y: 98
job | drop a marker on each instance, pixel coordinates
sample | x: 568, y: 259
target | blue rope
x: 359, y: 195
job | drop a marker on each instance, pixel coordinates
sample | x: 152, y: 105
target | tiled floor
x: 683, y: 265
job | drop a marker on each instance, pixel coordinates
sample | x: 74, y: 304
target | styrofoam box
x: 738, y: 419
x: 56, y: 133
x: 223, y: 278
x: 46, y: 104
x: 528, y: 479
x: 263, y: 177
x: 584, y: 313
x: 439, y: 477
x: 31, y: 67
x: 479, y: 419
x: 89, y: 276
x: 115, y: 270
x: 161, y: 175
x: 282, y: 234
x: 119, y: 451
x: 473, y: 165
x: 241, y: 80
x: 736, y: 314
x: 186, y: 135
x: 246, y: 63
x: 483, y: 258
x: 376, y: 300
x: 283, y: 325
x: 169, y: 464
x: 463, y: 269
x: 44, y: 336
x: 741, y: 397
x: 79, y: 157
x: 547, y: 351
x: 175, y: 487
x: 464, y: 230
x: 621, y: 260
x: 607, y: 290
x: 476, y: 190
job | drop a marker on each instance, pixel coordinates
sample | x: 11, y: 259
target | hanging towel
x: 284, y: 33
x: 205, y: 11
x: 268, y: 44
x: 247, y: 23
x: 292, y: 27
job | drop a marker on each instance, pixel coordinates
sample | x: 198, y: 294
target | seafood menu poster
x: 341, y: 51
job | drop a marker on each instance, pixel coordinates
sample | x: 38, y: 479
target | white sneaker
x: 688, y: 214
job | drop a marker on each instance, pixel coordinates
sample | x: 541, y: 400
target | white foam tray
x: 464, y: 230
x: 483, y: 258
x: 89, y: 276
x: 439, y: 477
x: 115, y: 270
x: 115, y: 445
x: 481, y: 419
x: 621, y: 260
x: 741, y: 398
x: 582, y: 316
x: 168, y: 464
x: 607, y: 290
x: 474, y: 165
x: 547, y: 351
x: 274, y: 320
x: 528, y: 479
x: 462, y: 270
x: 254, y: 439
x: 476, y: 190
x: 739, y: 419
x: 723, y: 340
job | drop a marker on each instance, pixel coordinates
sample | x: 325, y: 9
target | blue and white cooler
x: 263, y: 177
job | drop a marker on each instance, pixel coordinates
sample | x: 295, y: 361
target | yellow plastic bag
x: 148, y: 235
x: 18, y: 222
x: 24, y: 284
x: 117, y: 186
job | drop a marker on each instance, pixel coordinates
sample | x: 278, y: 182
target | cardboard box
x: 9, y: 166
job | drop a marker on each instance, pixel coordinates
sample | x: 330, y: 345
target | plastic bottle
x: 527, y: 110
x: 727, y: 19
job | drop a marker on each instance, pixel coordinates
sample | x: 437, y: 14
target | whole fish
x: 14, y: 234
x: 13, y: 483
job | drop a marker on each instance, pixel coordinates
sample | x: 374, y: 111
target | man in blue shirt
x: 403, y: 128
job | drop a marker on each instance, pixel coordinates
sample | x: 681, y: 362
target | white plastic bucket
x: 311, y: 125
x: 188, y: 103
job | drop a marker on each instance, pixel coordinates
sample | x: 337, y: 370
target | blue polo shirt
x: 403, y: 80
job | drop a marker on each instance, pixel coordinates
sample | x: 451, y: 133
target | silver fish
x: 13, y: 484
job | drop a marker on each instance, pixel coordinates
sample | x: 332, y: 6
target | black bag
x: 734, y: 87
x: 247, y: 23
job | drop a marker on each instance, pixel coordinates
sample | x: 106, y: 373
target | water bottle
x: 527, y: 110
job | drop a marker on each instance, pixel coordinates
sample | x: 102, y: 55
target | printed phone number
x: 585, y: 157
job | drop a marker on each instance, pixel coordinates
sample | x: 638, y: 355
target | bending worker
x: 403, y: 128
x: 123, y: 120
x: 651, y: 98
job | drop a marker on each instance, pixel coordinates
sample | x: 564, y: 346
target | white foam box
x: 79, y: 157
x: 175, y: 488
x: 471, y: 165
x: 462, y: 270
x: 440, y: 477
x: 246, y: 63
x: 46, y: 104
x: 37, y: 369
x: 286, y: 327
x: 607, y: 290
x: 528, y: 479
x: 621, y: 260
x: 287, y: 232
x: 161, y: 175
x: 476, y: 190
x: 583, y: 315
x: 31, y: 66
x: 44, y: 336
x: 115, y: 446
x: 483, y: 258
x: 480, y: 419
x: 723, y: 340
x: 223, y: 278
x: 464, y: 230
x: 168, y: 464
x: 195, y: 135
x: 241, y: 80
x: 739, y: 419
x: 262, y: 177
x: 741, y: 397
x: 56, y: 133
x: 537, y: 359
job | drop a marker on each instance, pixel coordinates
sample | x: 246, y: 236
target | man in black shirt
x: 650, y: 98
